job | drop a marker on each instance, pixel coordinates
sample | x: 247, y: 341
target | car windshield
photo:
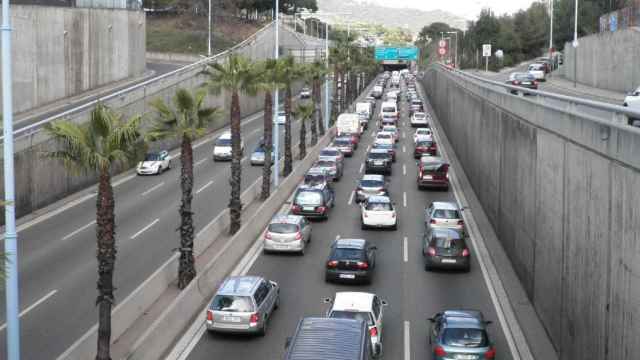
x: 446, y: 214
x: 352, y: 315
x: 259, y: 149
x: 522, y: 77
x: 282, y: 113
x: 384, y: 136
x: 153, y: 157
x: 382, y: 146
x: 231, y: 303
x: 431, y: 167
x: 371, y: 183
x: 329, y: 153
x: 389, y: 129
x: 347, y: 254
x: 448, y: 243
x: 280, y: 228
x: 470, y: 338
x: 223, y: 142
x: 388, y: 109
x: 377, y: 155
x: 379, y: 206
x: 312, y: 179
x: 309, y: 198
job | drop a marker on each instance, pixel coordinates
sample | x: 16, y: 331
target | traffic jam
x: 372, y: 245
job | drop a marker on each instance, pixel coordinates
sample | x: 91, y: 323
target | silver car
x: 287, y: 233
x: 243, y: 304
x: 371, y: 185
x: 444, y: 215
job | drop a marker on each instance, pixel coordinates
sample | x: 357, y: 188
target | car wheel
x: 276, y: 306
x: 263, y: 331
x: 468, y: 268
x: 301, y: 252
x: 363, y: 226
x: 394, y: 227
x: 427, y: 267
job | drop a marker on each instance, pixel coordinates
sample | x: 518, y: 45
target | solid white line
x: 351, y: 198
x: 407, y: 340
x: 145, y: 229
x: 361, y: 167
x: 199, y: 162
x: 204, y: 186
x: 405, y: 250
x: 404, y: 169
x: 25, y: 311
x: 123, y: 180
x: 404, y: 199
x: 79, y: 230
x: 152, y: 188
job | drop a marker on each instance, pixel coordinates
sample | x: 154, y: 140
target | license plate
x: 308, y: 208
x: 453, y: 261
x: 377, y: 163
x: 347, y: 276
x: 231, y: 318
x: 428, y: 177
x: 526, y: 83
x: 281, y: 247
x: 466, y: 357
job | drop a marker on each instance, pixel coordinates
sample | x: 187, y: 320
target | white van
x: 348, y: 123
x: 364, y: 108
x: 222, y: 147
x: 389, y: 109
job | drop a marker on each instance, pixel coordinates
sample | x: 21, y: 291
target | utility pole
x: 10, y: 236
x: 575, y: 47
x: 326, y: 78
x: 209, y: 37
x: 276, y: 106
x: 551, y: 34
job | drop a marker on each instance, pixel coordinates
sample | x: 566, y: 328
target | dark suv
x: 313, y: 201
x: 460, y: 334
x: 351, y: 260
x: 379, y: 161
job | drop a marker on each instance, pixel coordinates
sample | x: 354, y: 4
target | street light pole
x: 575, y: 46
x: 10, y: 236
x: 209, y: 37
x: 551, y: 33
x: 326, y: 78
x: 276, y: 105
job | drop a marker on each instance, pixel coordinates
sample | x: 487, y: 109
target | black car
x: 378, y: 161
x: 351, y: 260
x: 445, y: 249
x: 523, y: 80
x: 313, y: 201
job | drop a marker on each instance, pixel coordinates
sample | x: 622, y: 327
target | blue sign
x: 613, y: 22
x: 383, y: 53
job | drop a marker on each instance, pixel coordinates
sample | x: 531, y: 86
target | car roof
x: 332, y: 148
x: 373, y: 177
x: 286, y: 219
x: 226, y: 135
x: 239, y: 285
x: 464, y: 319
x: 353, y: 300
x: 378, y: 199
x: 428, y: 159
x: 328, y: 339
x: 445, y: 205
x: 350, y: 243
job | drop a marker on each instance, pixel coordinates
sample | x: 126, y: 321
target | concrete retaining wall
x: 562, y: 194
x: 60, y: 52
x: 608, y: 60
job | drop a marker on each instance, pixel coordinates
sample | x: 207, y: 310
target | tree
x: 313, y: 74
x: 236, y: 75
x: 287, y: 73
x: 186, y: 120
x: 304, y: 112
x: 106, y: 141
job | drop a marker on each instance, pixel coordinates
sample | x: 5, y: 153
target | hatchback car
x: 313, y: 201
x: 390, y: 148
x: 421, y: 133
x: 384, y: 138
x: 392, y: 129
x: 331, y: 166
x: 445, y: 249
x: 378, y: 161
x: 419, y: 119
x: 243, y: 304
x: 257, y: 156
x: 332, y: 153
x: 433, y: 172
x: 344, y: 144
x: 424, y: 146
x: 361, y: 306
x: 351, y: 260
x: 154, y: 163
x: 222, y: 148
x: 460, y: 334
x: 378, y: 212
x: 287, y: 233
x: 523, y: 80
x: 444, y: 215
x: 371, y: 185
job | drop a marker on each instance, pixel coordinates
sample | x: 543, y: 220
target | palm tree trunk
x: 288, y: 155
x: 335, y: 109
x: 318, y: 99
x: 302, y: 146
x: 186, y: 267
x: 235, y: 206
x: 268, y: 142
x: 106, y: 255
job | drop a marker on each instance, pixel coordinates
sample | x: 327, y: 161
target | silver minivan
x: 287, y: 233
x: 243, y: 304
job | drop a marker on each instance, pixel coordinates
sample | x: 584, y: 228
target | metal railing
x: 618, y: 115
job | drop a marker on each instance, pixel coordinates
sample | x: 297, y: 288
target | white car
x: 361, y: 306
x: 281, y: 119
x: 384, y: 138
x: 222, y: 147
x: 154, y: 163
x: 378, y: 212
x: 537, y: 70
x: 442, y: 214
x: 305, y: 93
x: 392, y: 130
x: 632, y: 101
x: 422, y: 133
x: 419, y: 119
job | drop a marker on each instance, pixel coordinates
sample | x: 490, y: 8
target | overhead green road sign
x: 385, y: 53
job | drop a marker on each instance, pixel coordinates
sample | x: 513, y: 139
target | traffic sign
x: 442, y: 51
x: 442, y: 43
x: 486, y: 50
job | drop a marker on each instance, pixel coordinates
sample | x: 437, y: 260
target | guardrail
x: 618, y: 115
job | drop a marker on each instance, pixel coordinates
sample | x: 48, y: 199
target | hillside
x: 365, y: 11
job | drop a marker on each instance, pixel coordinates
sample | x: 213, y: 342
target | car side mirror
x: 432, y: 320
x: 327, y: 300
x: 287, y: 343
x: 488, y: 322
x: 385, y: 303
x: 374, y: 248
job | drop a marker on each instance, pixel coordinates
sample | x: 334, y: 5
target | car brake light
x: 253, y: 321
x: 373, y: 332
x: 490, y: 354
x: 433, y: 221
x: 431, y: 251
x: 298, y: 236
x: 209, y: 315
x: 363, y: 265
x: 322, y: 209
x: 439, y: 351
x: 460, y: 222
x: 516, y: 82
x: 267, y: 235
x: 332, y: 263
x: 465, y: 252
x: 295, y: 207
x: 535, y: 82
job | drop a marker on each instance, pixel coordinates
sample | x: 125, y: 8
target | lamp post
x: 10, y: 236
x: 276, y: 134
x: 551, y: 33
x: 575, y: 46
x: 209, y: 36
x: 455, y: 62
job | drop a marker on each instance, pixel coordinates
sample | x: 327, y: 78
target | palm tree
x: 185, y: 121
x: 106, y: 141
x: 236, y: 75
x: 288, y: 72
x: 314, y: 73
x: 304, y: 112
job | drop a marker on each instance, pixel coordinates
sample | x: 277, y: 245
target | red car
x: 425, y: 147
x: 433, y: 172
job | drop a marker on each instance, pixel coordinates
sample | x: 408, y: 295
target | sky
x: 468, y: 9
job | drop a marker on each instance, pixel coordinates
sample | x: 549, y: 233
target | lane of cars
x: 354, y: 255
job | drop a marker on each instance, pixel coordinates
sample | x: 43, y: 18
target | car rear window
x: 342, y: 142
x: 424, y: 143
x: 388, y: 109
x: 446, y: 214
x: 448, y: 243
x: 378, y: 156
x: 280, y: 228
x: 347, y: 254
x: 329, y: 153
x: 223, y: 142
x: 384, y: 136
x: 352, y: 315
x: 378, y: 206
x: 371, y: 183
x: 231, y: 303
x: 309, y: 198
x: 470, y: 338
x: 325, y: 163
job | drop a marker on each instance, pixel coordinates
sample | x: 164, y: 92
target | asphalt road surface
x: 413, y: 294
x: 57, y: 255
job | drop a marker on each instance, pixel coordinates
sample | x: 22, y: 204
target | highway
x: 413, y: 294
x: 57, y: 250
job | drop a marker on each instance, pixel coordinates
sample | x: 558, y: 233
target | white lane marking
x: 33, y: 306
x: 199, y: 162
x: 338, y: 237
x: 404, y: 169
x: 351, y: 197
x: 152, y: 188
x: 79, y: 230
x: 373, y: 134
x: 403, y: 134
x: 404, y: 149
x: 144, y: 229
x: 361, y: 168
x: 368, y: 148
x: 405, y: 250
x: 404, y: 199
x: 123, y: 180
x: 407, y: 340
x: 204, y: 186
